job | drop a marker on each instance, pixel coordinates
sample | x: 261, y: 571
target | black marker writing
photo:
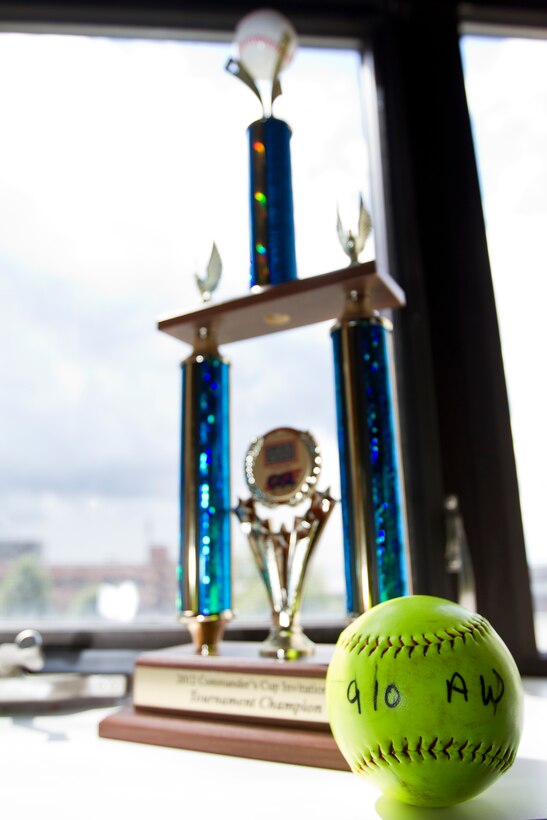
x: 392, y: 696
x: 354, y: 695
x: 487, y: 694
x: 452, y: 686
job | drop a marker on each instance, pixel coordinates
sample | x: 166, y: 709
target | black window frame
x: 455, y: 415
x: 456, y: 430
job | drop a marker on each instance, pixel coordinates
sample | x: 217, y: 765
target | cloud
x: 122, y: 162
x: 506, y: 90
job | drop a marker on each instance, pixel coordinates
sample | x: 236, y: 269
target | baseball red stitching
x: 259, y: 38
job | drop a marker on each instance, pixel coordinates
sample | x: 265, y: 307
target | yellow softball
x: 425, y: 699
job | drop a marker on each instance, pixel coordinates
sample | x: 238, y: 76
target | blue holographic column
x: 205, y: 562
x: 372, y: 510
x: 273, y: 258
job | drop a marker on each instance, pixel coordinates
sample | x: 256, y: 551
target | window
x: 121, y: 161
x: 506, y: 91
x: 432, y: 200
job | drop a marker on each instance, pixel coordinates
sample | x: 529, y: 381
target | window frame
x: 427, y: 174
x: 450, y: 325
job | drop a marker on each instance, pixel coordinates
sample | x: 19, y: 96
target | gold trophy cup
x: 282, y: 468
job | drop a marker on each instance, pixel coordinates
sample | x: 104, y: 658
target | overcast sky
x: 507, y: 96
x: 120, y: 162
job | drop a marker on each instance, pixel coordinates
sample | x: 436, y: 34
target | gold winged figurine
x: 208, y: 283
x: 351, y: 244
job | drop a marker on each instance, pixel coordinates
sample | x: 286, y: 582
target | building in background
x: 28, y: 585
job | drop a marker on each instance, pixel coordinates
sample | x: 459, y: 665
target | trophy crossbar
x: 287, y: 306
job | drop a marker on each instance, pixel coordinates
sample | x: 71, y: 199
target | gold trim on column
x: 189, y: 556
x: 365, y: 572
x: 206, y: 630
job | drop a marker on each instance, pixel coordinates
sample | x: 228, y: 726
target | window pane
x: 120, y: 162
x: 506, y: 82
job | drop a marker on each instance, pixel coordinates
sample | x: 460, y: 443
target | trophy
x: 281, y: 468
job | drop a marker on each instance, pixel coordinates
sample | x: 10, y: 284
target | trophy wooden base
x: 304, y: 747
x: 236, y: 703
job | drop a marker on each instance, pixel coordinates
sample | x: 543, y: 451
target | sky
x: 120, y: 163
x: 506, y: 84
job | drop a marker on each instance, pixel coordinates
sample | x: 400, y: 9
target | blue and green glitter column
x: 375, y: 548
x: 205, y: 586
x: 273, y: 257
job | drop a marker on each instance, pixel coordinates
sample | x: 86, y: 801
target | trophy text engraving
x: 233, y: 693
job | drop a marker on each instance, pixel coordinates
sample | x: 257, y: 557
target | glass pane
x: 120, y: 162
x: 506, y: 82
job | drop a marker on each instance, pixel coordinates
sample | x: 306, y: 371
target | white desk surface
x: 56, y: 766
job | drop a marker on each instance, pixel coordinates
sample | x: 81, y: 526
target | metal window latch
x: 24, y: 654
x: 457, y: 556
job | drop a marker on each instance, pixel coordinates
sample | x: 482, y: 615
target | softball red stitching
x: 453, y: 750
x: 370, y: 644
